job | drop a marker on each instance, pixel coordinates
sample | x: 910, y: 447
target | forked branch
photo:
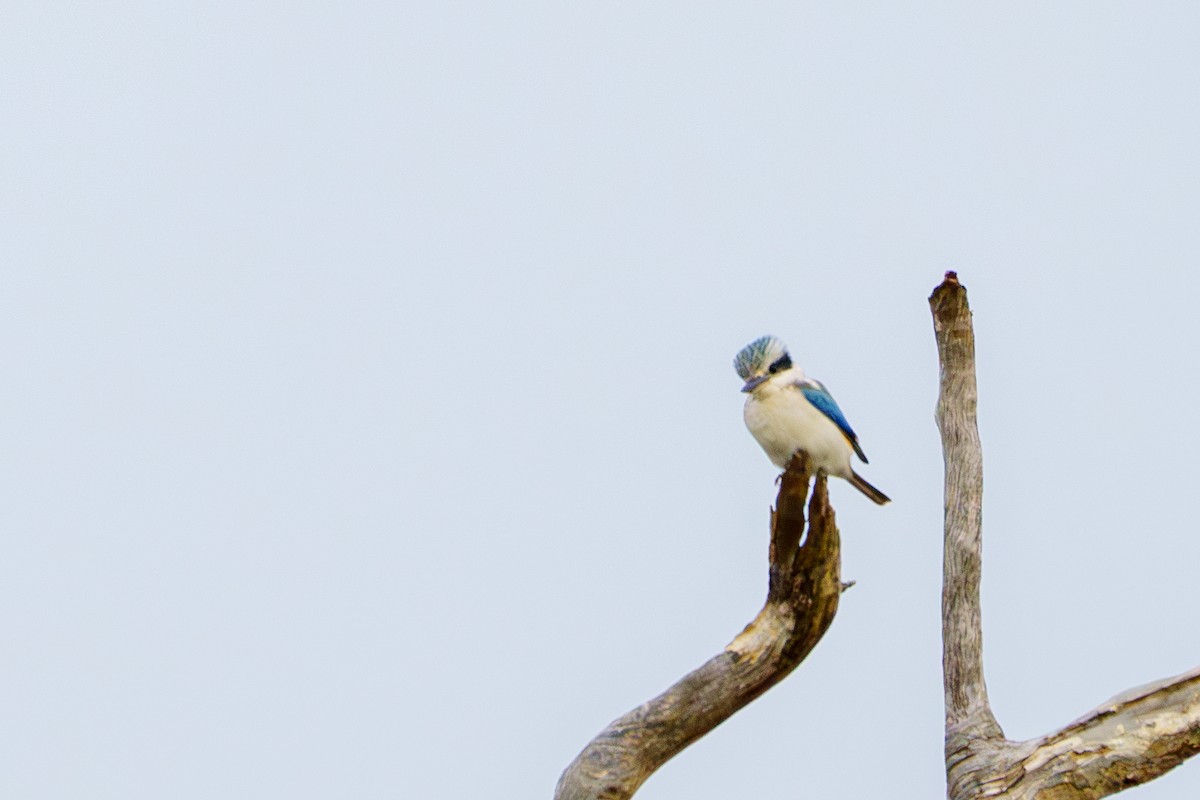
x: 802, y: 598
x: 1127, y: 741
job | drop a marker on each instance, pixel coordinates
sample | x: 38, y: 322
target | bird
x: 787, y: 411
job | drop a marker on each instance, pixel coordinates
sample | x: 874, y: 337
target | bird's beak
x: 753, y: 382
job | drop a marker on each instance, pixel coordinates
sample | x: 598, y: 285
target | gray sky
x: 371, y: 428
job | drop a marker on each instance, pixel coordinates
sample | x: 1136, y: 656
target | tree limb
x: 803, y: 588
x: 1131, y: 739
x: 967, y: 705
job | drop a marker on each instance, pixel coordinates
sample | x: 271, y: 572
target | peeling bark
x: 1131, y: 739
x: 803, y: 588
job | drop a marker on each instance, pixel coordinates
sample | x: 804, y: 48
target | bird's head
x: 760, y: 361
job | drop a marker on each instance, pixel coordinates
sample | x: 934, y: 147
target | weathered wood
x: 967, y: 705
x: 1131, y: 739
x: 802, y: 598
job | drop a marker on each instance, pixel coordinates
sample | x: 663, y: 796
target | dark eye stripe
x: 781, y: 363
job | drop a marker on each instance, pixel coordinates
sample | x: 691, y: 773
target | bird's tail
x: 867, y: 489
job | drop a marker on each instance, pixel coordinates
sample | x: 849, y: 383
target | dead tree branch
x: 1127, y: 741
x: 802, y: 597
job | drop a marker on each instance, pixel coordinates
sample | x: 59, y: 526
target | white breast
x: 783, y: 421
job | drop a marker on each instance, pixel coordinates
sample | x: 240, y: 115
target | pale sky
x: 371, y: 429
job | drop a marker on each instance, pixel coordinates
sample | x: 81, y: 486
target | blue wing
x: 816, y: 393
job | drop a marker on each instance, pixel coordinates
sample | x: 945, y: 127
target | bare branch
x: 1131, y: 739
x: 967, y: 707
x: 802, y: 598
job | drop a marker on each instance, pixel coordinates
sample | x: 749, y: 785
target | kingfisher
x: 786, y: 412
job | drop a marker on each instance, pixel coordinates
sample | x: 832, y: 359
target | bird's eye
x: 773, y: 369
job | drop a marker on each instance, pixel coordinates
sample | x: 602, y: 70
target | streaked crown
x: 757, y: 357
